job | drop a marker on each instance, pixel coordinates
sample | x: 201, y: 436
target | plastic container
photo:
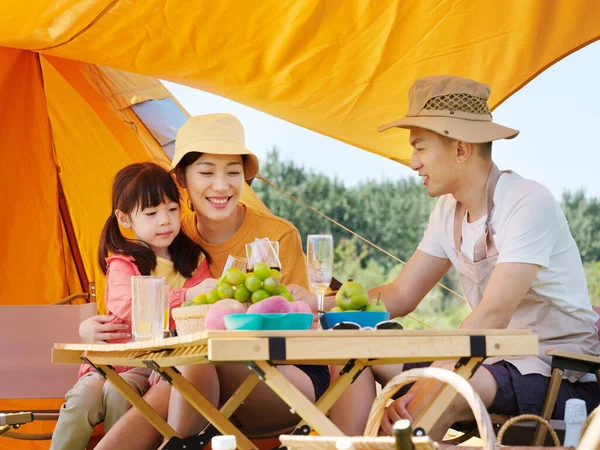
x: 575, y: 415
x: 344, y: 444
x: 265, y: 321
x: 227, y: 442
x: 362, y: 318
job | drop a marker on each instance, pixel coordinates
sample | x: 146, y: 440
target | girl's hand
x: 98, y: 329
x: 205, y: 286
x: 396, y: 411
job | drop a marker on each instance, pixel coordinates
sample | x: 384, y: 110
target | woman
x: 211, y: 163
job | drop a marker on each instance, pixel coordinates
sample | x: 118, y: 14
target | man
x: 510, y: 242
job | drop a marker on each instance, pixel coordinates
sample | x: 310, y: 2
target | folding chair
x: 27, y: 372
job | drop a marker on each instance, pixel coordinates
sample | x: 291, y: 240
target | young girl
x: 145, y: 199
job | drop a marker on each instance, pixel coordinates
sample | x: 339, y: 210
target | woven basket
x: 371, y: 442
x: 189, y: 319
x: 462, y: 386
x: 296, y: 442
x: 590, y: 432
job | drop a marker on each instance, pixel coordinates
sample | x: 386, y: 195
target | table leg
x: 206, y: 408
x: 430, y: 415
x: 549, y: 403
x: 295, y: 399
x: 347, y: 376
x: 138, y: 402
x: 241, y: 394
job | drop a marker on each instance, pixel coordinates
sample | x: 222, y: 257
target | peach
x: 214, y: 316
x: 230, y: 303
x: 271, y: 305
x: 300, y: 307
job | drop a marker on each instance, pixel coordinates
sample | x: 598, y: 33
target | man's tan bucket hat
x: 216, y: 134
x: 454, y: 107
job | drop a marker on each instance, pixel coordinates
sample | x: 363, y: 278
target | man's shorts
x: 525, y: 394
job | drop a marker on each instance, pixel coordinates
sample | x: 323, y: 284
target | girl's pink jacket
x: 119, y: 270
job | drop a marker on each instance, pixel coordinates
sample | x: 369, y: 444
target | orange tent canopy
x: 340, y: 68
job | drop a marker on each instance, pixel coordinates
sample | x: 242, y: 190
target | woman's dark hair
x: 136, y: 187
x: 179, y: 170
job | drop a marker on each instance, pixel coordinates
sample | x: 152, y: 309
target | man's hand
x: 303, y: 295
x: 396, y: 411
x: 98, y: 329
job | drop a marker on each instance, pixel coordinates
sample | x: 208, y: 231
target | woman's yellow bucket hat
x: 215, y: 134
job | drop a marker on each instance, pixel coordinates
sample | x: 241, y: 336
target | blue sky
x: 558, y: 114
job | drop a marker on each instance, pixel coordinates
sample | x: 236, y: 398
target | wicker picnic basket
x: 372, y: 442
x: 189, y: 319
x: 590, y: 432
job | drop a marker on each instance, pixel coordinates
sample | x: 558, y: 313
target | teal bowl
x: 362, y: 318
x: 287, y: 321
x: 283, y: 321
x: 243, y: 321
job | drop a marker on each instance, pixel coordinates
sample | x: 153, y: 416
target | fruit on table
x: 225, y: 290
x: 336, y: 309
x: 289, y: 297
x: 259, y: 295
x: 262, y: 271
x: 300, y: 307
x: 230, y: 303
x: 242, y: 294
x: 213, y: 296
x: 352, y: 296
x: 276, y: 274
x: 272, y: 285
x: 200, y: 299
x: 376, y: 305
x: 255, y: 286
x: 214, y: 316
x: 253, y: 283
x: 275, y: 304
x: 235, y: 277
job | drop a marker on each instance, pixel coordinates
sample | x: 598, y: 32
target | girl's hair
x: 136, y: 187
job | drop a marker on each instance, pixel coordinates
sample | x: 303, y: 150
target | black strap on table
x: 277, y: 351
x: 478, y: 346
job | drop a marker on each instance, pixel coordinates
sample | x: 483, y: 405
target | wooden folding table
x: 262, y: 351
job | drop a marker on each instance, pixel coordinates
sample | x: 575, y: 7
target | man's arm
x: 506, y: 288
x: 401, y: 296
x: 417, y: 278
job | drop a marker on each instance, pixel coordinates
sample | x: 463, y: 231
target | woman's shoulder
x: 269, y: 221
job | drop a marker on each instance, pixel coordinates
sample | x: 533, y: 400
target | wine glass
x: 234, y: 261
x: 319, y: 260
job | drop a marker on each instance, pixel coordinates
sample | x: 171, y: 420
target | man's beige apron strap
x: 484, y: 247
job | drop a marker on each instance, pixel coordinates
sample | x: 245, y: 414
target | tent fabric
x: 341, y: 68
x: 65, y: 122
x: 67, y: 128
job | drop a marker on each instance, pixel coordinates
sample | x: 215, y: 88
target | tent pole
x: 66, y: 218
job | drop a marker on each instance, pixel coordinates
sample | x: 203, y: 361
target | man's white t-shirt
x: 528, y: 226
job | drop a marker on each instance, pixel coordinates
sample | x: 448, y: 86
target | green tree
x: 583, y: 215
